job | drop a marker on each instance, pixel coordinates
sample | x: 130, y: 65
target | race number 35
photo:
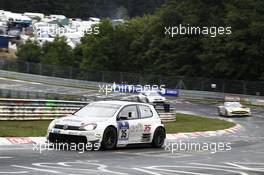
x: 147, y: 128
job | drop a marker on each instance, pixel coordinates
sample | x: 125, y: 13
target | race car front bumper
x: 72, y: 136
x: 239, y: 113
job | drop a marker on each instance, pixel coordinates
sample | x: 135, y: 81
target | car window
x: 97, y: 110
x: 145, y: 111
x: 233, y: 104
x: 152, y: 93
x: 130, y: 112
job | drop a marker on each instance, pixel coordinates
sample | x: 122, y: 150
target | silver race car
x: 233, y: 109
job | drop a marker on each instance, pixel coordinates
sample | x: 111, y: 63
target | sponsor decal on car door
x: 123, y: 130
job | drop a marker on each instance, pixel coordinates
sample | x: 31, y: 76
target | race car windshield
x: 152, y: 93
x: 98, y: 110
x: 233, y: 105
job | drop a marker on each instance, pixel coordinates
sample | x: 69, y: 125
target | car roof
x: 151, y: 91
x: 122, y: 103
x: 232, y: 102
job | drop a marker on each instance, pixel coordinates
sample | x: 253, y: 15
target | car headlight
x: 89, y: 127
x: 150, y: 100
x: 53, y: 123
x: 229, y: 110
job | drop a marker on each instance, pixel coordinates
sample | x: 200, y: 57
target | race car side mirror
x: 122, y: 118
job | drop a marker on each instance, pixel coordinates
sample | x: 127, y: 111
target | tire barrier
x: 28, y: 109
x: 32, y: 109
x: 168, y: 117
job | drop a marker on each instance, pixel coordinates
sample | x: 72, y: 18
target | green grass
x: 184, y: 123
x: 191, y: 123
x: 23, y: 128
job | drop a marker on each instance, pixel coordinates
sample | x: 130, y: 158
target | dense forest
x: 140, y: 44
x: 84, y: 8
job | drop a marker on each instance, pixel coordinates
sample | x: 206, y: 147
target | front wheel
x: 147, y: 100
x: 219, y: 112
x: 226, y: 113
x: 109, y: 138
x: 159, y: 137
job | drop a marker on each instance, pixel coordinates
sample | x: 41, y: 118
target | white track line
x: 36, y: 169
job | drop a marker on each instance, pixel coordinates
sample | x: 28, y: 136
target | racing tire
x: 219, y: 112
x: 159, y: 137
x: 147, y: 100
x: 109, y: 139
x: 226, y: 113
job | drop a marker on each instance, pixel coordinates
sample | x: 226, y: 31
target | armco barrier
x: 186, y: 94
x: 174, y: 82
x: 220, y: 97
x: 50, y: 80
x: 201, y: 95
x: 27, y: 109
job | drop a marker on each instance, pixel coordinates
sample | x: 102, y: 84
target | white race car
x: 110, y: 123
x: 233, y: 109
x: 151, y: 97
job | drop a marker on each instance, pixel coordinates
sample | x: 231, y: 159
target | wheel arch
x: 110, y: 126
x: 155, y: 128
x: 103, y: 134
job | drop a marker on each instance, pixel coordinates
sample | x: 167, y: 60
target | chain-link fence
x: 188, y: 83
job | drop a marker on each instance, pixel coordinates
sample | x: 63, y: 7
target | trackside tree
x: 140, y: 45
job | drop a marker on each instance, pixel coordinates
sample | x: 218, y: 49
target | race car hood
x: 73, y: 120
x: 156, y: 98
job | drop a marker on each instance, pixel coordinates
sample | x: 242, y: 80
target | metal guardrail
x: 172, y: 82
x: 201, y: 95
x: 51, y: 80
x: 188, y: 94
x: 26, y: 109
x: 31, y: 94
x: 185, y: 94
x: 220, y: 97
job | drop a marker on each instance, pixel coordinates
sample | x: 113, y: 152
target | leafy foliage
x: 57, y: 52
x: 140, y: 45
x: 30, y: 51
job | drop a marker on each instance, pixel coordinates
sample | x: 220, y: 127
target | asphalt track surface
x: 21, y: 85
x: 40, y: 87
x: 246, y: 156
